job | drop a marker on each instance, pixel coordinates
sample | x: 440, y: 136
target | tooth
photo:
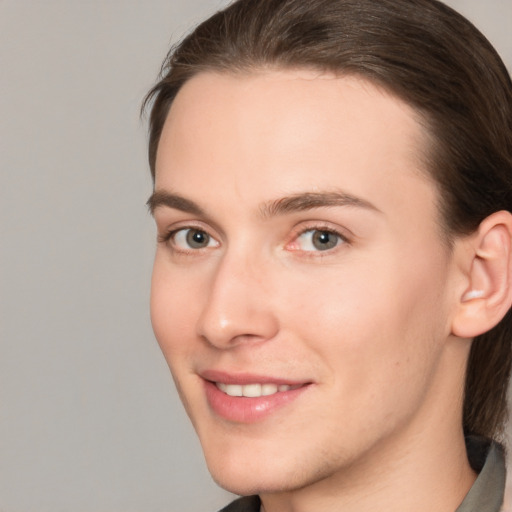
x: 268, y: 389
x: 233, y: 390
x: 251, y: 390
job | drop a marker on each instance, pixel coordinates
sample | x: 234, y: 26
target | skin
x: 366, y: 323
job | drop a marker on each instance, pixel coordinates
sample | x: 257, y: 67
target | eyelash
x: 341, y: 239
x: 169, y: 236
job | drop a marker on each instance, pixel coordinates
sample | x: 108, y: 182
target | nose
x: 238, y: 306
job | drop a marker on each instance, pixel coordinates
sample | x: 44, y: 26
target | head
x: 419, y: 53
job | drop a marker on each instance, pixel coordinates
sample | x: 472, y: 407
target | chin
x: 238, y: 486
x: 246, y: 483
x: 246, y: 472
x: 242, y: 474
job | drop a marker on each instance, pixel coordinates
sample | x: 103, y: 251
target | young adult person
x: 332, y: 280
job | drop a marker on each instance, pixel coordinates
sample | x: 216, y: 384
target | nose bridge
x: 237, y: 309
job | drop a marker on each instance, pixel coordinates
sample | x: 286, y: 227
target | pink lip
x: 241, y: 409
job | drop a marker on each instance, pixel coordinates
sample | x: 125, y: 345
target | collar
x: 488, y: 459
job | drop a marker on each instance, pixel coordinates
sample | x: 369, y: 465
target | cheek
x: 172, y: 309
x: 377, y: 321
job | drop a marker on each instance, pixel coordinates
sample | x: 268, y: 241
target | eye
x: 318, y: 240
x: 192, y: 238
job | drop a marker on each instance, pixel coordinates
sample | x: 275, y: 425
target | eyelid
x: 344, y: 235
x: 181, y: 239
x: 165, y: 236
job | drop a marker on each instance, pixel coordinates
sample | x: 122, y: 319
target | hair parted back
x: 424, y: 53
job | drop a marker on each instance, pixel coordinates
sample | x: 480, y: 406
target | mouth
x: 255, y: 390
x: 249, y: 399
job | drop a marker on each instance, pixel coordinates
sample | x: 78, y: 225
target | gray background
x: 89, y: 420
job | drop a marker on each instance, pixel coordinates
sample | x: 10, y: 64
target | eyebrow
x: 293, y: 203
x: 161, y: 198
x: 310, y: 200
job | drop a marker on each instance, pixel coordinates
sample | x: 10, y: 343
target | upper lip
x: 247, y: 378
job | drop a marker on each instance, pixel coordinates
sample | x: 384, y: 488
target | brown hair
x: 422, y: 52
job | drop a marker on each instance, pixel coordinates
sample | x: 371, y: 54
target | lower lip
x: 242, y: 409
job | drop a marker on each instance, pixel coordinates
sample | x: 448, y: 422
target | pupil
x: 197, y: 239
x: 324, y: 240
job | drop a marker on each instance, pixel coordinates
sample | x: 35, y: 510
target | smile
x: 248, y: 398
x: 254, y: 390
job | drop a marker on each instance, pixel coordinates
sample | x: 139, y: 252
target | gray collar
x: 486, y: 494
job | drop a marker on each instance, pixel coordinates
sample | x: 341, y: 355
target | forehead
x: 280, y: 132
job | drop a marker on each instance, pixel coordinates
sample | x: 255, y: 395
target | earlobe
x: 488, y: 296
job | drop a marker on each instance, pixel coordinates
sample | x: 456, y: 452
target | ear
x: 488, y: 288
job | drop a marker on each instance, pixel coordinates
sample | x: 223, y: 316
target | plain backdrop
x: 89, y: 419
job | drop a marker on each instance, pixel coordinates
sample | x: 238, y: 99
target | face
x: 301, y: 288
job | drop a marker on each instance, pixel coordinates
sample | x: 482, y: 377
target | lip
x: 244, y: 409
